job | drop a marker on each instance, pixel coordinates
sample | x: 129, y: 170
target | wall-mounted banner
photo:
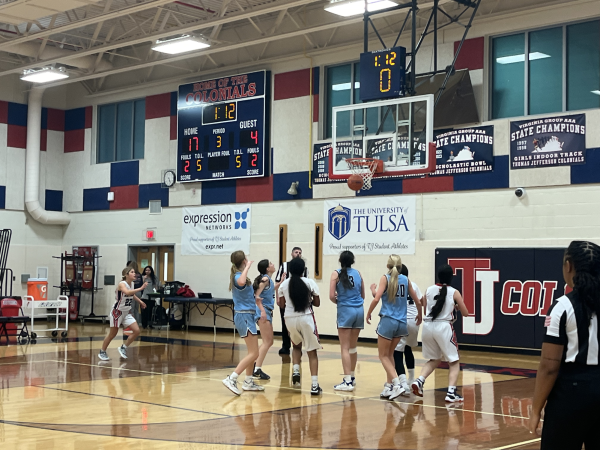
x: 216, y: 230
x: 507, y: 291
x: 371, y: 226
x: 320, y: 171
x: 464, y: 151
x: 547, y: 142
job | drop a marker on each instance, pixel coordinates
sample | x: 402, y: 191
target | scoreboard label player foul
x: 221, y: 128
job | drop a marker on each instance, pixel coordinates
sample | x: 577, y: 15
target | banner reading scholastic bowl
x: 373, y: 226
x: 547, y: 142
x: 468, y: 150
x: 216, y: 230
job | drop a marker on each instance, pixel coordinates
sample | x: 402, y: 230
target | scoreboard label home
x: 221, y: 128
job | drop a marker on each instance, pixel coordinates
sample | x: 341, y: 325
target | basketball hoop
x: 366, y: 168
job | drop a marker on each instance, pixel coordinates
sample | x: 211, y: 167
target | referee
x: 279, y: 277
x: 568, y: 377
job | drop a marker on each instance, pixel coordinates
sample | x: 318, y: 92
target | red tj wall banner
x: 507, y: 291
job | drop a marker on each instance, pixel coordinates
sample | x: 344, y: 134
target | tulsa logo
x: 339, y: 221
x: 528, y: 298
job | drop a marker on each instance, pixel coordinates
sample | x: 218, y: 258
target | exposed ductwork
x: 32, y: 164
x: 32, y: 50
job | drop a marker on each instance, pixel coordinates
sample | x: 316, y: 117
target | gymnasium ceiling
x: 106, y: 44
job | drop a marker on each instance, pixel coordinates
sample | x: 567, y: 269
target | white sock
x: 451, y: 388
x: 315, y: 380
x: 396, y: 381
x: 402, y: 378
x: 422, y: 378
x: 348, y: 378
x: 256, y: 368
x: 234, y: 376
x: 248, y: 379
x: 296, y: 368
x: 124, y: 346
x: 352, y: 373
x: 411, y: 374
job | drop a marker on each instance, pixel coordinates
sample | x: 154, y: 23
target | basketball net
x: 365, y: 167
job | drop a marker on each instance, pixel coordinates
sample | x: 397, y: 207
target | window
x: 121, y: 128
x: 343, y: 88
x: 545, y: 71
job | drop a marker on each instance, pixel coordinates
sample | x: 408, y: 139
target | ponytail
x: 237, y: 258
x: 585, y: 257
x: 445, y: 274
x: 299, y: 292
x: 262, y: 267
x: 346, y: 261
x: 395, y: 265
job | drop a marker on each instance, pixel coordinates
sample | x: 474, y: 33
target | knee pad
x: 353, y: 351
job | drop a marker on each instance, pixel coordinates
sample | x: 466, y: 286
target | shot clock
x: 383, y: 74
x: 222, y: 128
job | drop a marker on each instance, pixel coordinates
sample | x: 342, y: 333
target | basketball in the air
x: 355, y: 182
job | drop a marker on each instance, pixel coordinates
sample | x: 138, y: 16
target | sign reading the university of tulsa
x: 464, y: 151
x: 371, y: 226
x: 216, y: 230
x: 547, y: 142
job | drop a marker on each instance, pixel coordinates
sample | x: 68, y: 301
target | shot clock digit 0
x: 222, y: 128
x: 383, y: 74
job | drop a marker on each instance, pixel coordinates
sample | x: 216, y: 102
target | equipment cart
x: 61, y: 307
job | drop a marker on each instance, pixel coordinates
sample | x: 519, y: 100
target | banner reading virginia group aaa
x: 216, y: 230
x: 370, y: 226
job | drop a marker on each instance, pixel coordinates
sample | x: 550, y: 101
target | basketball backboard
x: 383, y: 130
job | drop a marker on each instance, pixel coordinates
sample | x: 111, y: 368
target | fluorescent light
x: 520, y: 58
x: 180, y: 44
x: 44, y: 75
x: 344, y: 86
x: 348, y: 8
x: 597, y: 92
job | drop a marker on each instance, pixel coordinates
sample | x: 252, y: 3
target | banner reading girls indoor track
x: 464, y: 151
x: 216, y: 230
x: 547, y: 142
x: 321, y: 152
x: 371, y: 226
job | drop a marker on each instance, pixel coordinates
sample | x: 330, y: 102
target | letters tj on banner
x: 464, y: 151
x: 547, y: 142
x: 373, y: 226
x: 216, y: 230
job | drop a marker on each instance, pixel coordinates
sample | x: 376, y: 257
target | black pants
x: 285, y: 335
x: 147, y: 313
x: 572, y: 416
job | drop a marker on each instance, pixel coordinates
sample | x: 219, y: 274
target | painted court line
x: 518, y: 444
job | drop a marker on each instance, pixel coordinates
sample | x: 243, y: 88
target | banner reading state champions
x: 370, y: 226
x: 216, y: 230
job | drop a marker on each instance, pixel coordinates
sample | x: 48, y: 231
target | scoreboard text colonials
x: 221, y: 128
x: 382, y: 74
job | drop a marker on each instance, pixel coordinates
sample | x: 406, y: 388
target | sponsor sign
x: 464, y: 151
x: 216, y: 230
x: 507, y: 292
x: 547, y: 142
x: 373, y: 226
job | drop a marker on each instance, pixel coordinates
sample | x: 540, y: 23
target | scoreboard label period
x: 221, y: 128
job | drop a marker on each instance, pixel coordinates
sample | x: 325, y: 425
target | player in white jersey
x: 439, y: 339
x: 406, y: 344
x: 120, y: 316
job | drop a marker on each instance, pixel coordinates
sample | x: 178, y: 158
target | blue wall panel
x: 283, y: 181
x: 75, y: 119
x: 497, y: 179
x: 153, y: 192
x: 95, y: 199
x: 386, y: 186
x: 218, y: 192
x: 54, y: 200
x: 2, y: 197
x: 588, y: 172
x: 124, y: 173
x: 17, y: 114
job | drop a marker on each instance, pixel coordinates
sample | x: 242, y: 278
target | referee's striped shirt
x: 567, y: 324
x: 283, y: 268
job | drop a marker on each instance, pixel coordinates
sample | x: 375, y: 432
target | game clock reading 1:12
x: 382, y: 74
x: 221, y: 128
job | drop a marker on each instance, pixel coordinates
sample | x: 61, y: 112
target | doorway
x: 160, y: 257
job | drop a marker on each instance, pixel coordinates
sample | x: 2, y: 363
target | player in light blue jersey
x: 264, y: 293
x: 347, y: 290
x: 244, y: 307
x: 393, y: 290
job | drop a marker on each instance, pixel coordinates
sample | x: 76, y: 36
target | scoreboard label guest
x: 221, y: 128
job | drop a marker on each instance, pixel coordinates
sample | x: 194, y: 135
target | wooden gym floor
x: 168, y: 395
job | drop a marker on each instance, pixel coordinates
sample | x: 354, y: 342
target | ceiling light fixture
x: 346, y: 8
x: 180, y: 44
x: 520, y: 58
x: 44, y: 75
x: 597, y: 92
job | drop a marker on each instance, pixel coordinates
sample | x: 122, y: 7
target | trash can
x: 38, y: 288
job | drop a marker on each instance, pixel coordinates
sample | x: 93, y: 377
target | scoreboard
x: 383, y: 74
x: 222, y: 128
